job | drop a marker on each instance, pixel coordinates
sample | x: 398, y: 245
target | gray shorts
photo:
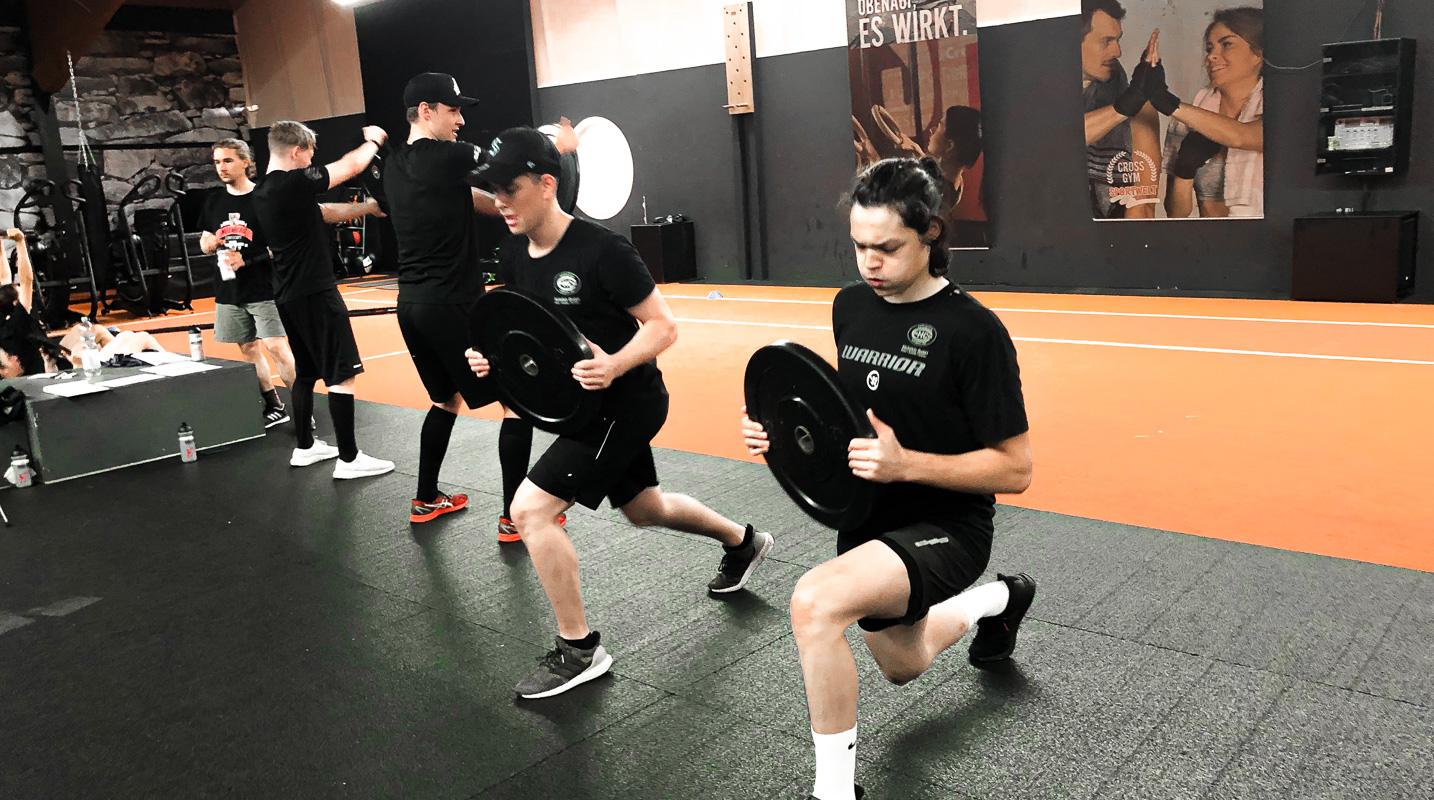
x: 243, y: 324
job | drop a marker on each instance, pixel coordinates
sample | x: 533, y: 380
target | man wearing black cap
x: 431, y: 206
x: 599, y: 281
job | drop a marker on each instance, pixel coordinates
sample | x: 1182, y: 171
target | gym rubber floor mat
x: 239, y: 627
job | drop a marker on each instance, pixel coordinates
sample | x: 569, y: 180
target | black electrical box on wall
x: 1366, y: 107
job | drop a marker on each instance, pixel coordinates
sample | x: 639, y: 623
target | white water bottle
x: 20, y: 466
x: 187, y: 451
x: 226, y: 272
x: 89, y: 348
x: 196, y: 345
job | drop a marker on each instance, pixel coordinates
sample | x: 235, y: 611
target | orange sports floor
x: 1300, y: 426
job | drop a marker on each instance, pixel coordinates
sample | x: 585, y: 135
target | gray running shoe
x: 738, y: 565
x: 563, y: 668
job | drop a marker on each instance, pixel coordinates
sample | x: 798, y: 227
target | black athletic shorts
x: 943, y: 558
x: 436, y: 336
x: 611, y: 458
x: 321, y: 337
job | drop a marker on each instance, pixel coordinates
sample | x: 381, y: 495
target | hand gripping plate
x: 531, y: 348
x: 810, y: 419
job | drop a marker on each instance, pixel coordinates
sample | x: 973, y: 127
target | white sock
x: 983, y: 601
x: 836, y: 765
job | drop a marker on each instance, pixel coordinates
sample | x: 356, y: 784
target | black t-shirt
x: 431, y: 207
x: 287, y: 207
x: 231, y: 218
x: 942, y: 373
x: 594, y: 276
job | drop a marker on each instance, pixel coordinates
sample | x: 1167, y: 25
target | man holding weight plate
x: 927, y: 358
x: 597, y: 279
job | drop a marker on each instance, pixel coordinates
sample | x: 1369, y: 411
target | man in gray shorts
x: 244, y: 310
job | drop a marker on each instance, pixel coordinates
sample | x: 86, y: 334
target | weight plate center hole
x: 805, y: 442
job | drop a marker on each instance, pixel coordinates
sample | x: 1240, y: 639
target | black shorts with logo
x: 611, y: 458
x: 321, y: 337
x: 436, y: 336
x: 943, y: 558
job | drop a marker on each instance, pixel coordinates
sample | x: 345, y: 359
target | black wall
x: 485, y: 46
x: 686, y: 156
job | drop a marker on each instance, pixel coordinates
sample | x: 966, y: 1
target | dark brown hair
x: 911, y: 189
x: 1246, y: 22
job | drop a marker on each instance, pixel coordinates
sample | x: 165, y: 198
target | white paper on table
x: 128, y: 379
x: 184, y: 367
x: 155, y: 358
x: 74, y: 388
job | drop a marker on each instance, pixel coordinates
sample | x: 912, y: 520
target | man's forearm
x: 985, y: 471
x: 344, y: 212
x: 648, y: 343
x: 1100, y: 122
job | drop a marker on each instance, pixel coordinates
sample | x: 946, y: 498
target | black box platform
x: 70, y: 437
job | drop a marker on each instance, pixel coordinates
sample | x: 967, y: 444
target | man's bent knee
x: 646, y: 510
x: 814, y: 606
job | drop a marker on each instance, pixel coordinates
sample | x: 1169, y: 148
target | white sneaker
x: 362, y: 466
x: 320, y: 451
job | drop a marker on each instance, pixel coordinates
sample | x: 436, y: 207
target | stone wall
x: 134, y: 88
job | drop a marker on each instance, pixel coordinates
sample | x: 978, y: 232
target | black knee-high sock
x: 432, y: 446
x: 341, y: 411
x: 515, y: 443
x: 301, y: 396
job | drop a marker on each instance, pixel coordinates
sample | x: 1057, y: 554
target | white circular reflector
x: 605, y: 164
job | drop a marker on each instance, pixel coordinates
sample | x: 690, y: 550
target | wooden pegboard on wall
x: 737, y: 28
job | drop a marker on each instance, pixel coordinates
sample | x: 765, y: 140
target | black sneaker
x: 738, y: 565
x: 996, y: 636
x: 275, y: 415
x: 859, y: 792
x: 563, y: 668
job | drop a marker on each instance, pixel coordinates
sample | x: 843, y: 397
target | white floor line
x: 1100, y: 313
x: 1222, y: 351
x: 758, y: 324
x: 1092, y: 343
x: 386, y: 355
x: 751, y: 300
x: 1221, y: 319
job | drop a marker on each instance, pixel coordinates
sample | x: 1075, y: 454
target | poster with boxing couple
x: 1174, y: 107
x: 916, y: 91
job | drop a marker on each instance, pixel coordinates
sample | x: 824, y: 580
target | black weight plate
x: 531, y: 349
x: 810, y: 420
x: 568, y: 182
x: 371, y: 179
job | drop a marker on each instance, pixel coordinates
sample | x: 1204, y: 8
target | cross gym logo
x: 567, y: 283
x: 921, y: 335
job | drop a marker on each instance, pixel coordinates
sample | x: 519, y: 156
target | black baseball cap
x: 514, y: 152
x: 433, y: 88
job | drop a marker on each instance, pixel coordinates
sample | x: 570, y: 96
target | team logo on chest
x: 567, y: 284
x: 921, y: 335
x: 873, y: 380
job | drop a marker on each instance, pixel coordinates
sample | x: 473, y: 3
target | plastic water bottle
x: 196, y: 345
x: 20, y: 464
x: 89, y: 348
x: 187, y: 451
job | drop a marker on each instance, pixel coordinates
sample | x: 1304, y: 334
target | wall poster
x: 1174, y: 107
x: 916, y: 91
